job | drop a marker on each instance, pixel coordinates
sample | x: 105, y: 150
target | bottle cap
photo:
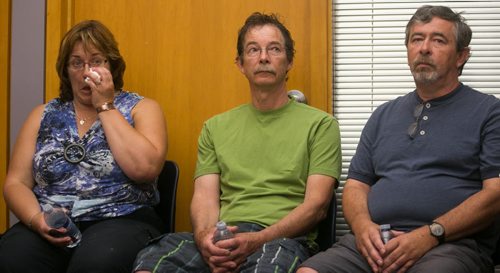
x: 385, y: 227
x: 47, y: 208
x: 221, y: 225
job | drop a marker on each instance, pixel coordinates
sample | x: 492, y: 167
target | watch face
x: 437, y: 229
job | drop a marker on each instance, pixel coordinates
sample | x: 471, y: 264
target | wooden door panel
x: 4, y: 104
x: 181, y: 53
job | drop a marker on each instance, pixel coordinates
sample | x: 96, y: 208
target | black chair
x: 326, y: 228
x: 496, y: 255
x: 167, y: 187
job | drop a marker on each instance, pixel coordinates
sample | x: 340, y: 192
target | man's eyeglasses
x: 79, y: 64
x: 273, y: 50
x: 412, y: 130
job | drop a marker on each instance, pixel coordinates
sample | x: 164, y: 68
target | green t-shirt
x: 264, y: 158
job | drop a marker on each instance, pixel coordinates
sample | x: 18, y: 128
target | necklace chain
x: 82, y: 120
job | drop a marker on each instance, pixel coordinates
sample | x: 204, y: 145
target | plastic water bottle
x: 57, y: 218
x: 385, y: 232
x: 222, y: 232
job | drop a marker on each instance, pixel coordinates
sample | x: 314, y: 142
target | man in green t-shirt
x: 267, y: 168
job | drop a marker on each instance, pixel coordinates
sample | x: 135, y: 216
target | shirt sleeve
x: 490, y: 145
x: 326, y: 152
x: 361, y: 167
x: 207, y: 157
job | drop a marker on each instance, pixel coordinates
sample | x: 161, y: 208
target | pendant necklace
x: 81, y: 120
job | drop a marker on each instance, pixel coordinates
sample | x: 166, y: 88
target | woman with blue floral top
x: 94, y: 151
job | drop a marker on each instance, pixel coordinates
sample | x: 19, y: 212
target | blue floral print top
x: 95, y: 187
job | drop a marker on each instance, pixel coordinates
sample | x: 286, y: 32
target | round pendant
x: 74, y: 153
x: 82, y: 121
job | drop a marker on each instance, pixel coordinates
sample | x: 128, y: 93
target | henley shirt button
x: 422, y: 132
x: 425, y: 117
x: 428, y: 105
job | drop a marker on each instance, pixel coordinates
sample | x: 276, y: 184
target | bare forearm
x: 297, y: 223
x: 355, y: 204
x: 204, y: 214
x: 308, y: 214
x: 475, y: 213
x: 19, y: 182
x: 205, y: 205
x: 21, y: 201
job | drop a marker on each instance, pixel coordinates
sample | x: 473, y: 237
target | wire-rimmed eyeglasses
x: 78, y: 64
x: 412, y: 130
x: 273, y: 50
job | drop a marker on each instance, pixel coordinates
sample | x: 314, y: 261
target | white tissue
x: 87, y: 79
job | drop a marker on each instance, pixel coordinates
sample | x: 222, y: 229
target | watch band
x: 105, y: 107
x: 437, y: 230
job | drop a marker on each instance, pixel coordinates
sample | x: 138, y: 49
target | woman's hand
x: 56, y: 237
x: 101, y: 83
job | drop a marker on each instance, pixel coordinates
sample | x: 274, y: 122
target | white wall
x: 27, y: 65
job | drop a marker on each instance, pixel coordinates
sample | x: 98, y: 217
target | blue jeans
x: 177, y: 252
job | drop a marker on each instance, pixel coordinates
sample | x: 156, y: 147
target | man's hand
x: 218, y: 256
x: 207, y: 248
x: 241, y: 246
x: 405, y: 249
x: 370, y: 245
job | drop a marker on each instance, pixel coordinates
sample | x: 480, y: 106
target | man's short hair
x: 260, y: 19
x: 424, y: 14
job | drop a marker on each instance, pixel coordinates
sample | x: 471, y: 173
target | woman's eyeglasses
x: 79, y: 64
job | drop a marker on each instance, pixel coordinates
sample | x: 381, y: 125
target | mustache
x: 264, y: 69
x: 423, y: 61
